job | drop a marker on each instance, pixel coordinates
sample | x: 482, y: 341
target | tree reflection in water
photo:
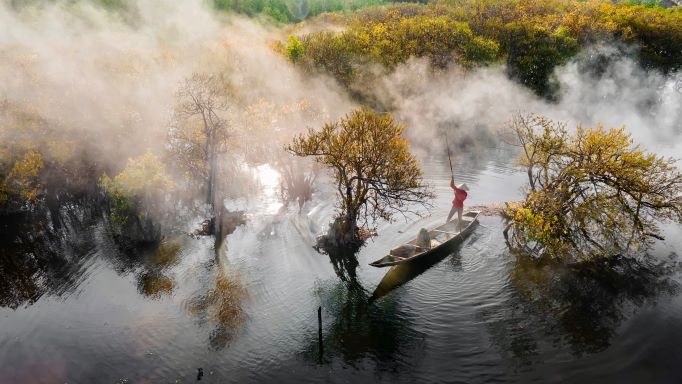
x: 361, y: 330
x: 345, y: 263
x: 579, y: 307
x: 151, y: 269
x: 219, y: 305
x: 36, y: 259
x: 45, y: 252
x: 155, y: 285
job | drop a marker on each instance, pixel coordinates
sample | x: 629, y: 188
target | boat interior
x: 437, y: 236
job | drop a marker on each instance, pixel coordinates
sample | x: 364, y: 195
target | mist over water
x: 88, y: 311
x: 115, y: 75
x: 90, y: 71
x: 473, y: 106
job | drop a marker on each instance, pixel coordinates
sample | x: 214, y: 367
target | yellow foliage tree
x: 591, y: 193
x: 533, y: 37
x: 374, y: 171
x: 199, y: 131
x: 31, y: 151
x: 22, y: 179
x: 141, y: 184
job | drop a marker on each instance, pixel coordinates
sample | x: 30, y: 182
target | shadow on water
x: 360, y: 332
x: 398, y: 275
x: 578, y: 307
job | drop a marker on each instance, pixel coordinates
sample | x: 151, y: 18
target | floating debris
x: 492, y: 209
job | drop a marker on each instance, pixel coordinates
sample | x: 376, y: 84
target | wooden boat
x: 442, y: 238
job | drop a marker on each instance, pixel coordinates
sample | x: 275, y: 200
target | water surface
x: 85, y: 311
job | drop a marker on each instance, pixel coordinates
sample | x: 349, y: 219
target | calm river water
x: 90, y: 313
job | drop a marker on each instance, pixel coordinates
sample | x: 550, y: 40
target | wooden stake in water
x: 319, y: 332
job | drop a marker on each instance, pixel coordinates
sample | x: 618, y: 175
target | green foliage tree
x: 374, y: 172
x: 294, y: 49
x: 591, y: 193
x: 534, y: 52
x: 390, y: 43
x: 331, y: 53
x: 286, y: 11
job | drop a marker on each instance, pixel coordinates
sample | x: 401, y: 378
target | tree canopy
x: 287, y: 11
x: 374, y: 171
x: 37, y: 155
x: 198, y: 132
x: 590, y: 193
x: 136, y: 190
x: 530, y: 37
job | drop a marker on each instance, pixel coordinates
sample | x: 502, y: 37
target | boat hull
x: 448, y: 245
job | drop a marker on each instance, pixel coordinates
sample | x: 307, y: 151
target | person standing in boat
x: 458, y: 202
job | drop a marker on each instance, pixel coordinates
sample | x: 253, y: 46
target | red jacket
x: 460, y: 195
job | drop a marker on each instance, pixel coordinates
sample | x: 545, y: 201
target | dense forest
x: 531, y: 37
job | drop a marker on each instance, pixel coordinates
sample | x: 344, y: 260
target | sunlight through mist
x: 269, y: 179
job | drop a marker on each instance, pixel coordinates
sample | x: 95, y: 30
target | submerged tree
x: 591, y: 192
x: 375, y: 173
x: 297, y: 181
x: 199, y: 131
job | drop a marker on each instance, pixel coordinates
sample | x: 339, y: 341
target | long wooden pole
x: 452, y: 173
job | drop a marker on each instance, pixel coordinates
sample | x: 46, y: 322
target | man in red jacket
x: 458, y: 202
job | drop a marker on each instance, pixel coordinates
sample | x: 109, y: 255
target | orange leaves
x: 23, y: 177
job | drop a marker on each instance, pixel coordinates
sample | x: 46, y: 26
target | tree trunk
x: 216, y: 201
x: 530, y: 178
x: 351, y: 217
x: 211, y: 177
x: 352, y: 226
x: 212, y: 197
